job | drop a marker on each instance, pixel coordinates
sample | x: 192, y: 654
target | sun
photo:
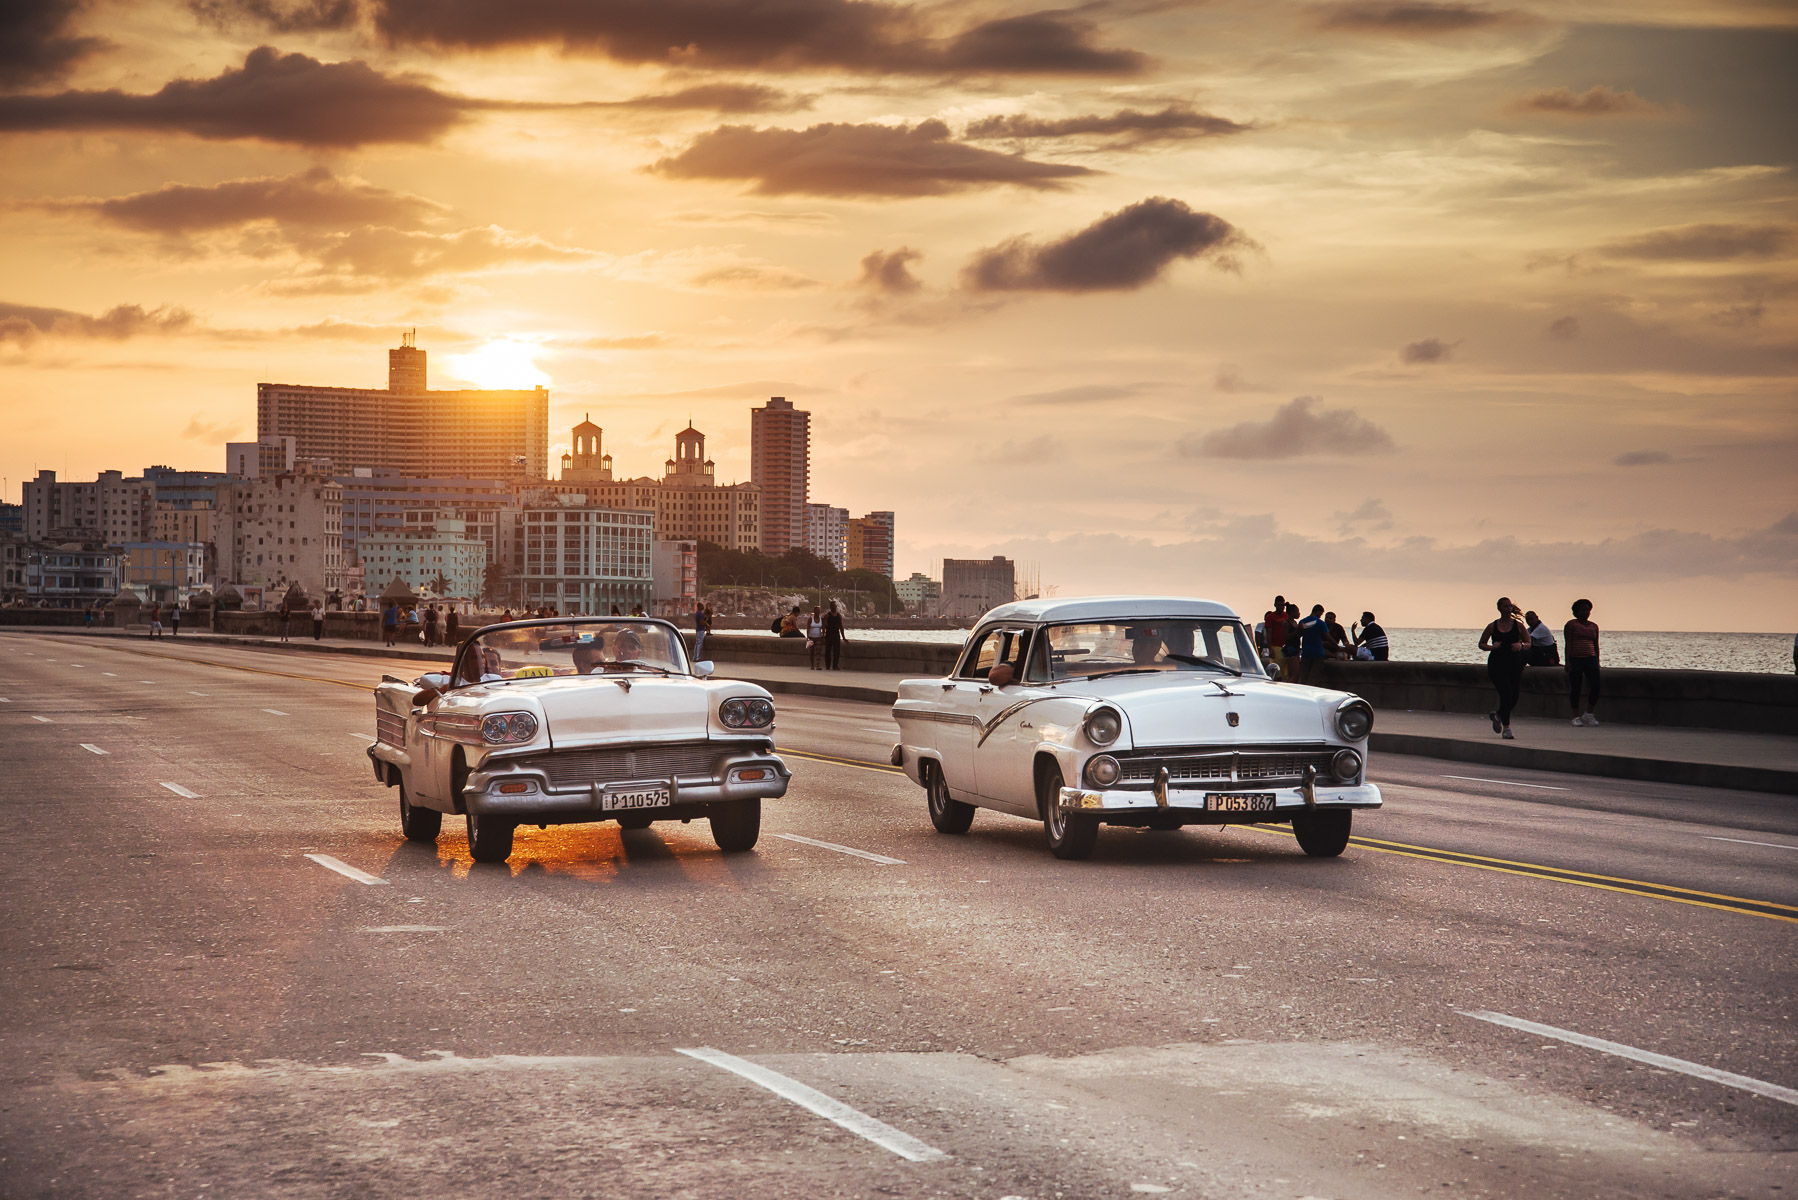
x: 500, y: 365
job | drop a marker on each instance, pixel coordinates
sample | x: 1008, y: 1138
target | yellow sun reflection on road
x: 503, y: 364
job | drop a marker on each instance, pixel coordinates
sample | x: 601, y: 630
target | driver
x: 588, y: 656
x: 1145, y: 644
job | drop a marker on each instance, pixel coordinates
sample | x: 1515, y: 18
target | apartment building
x: 869, y: 544
x: 780, y: 465
x: 111, y: 508
x: 432, y: 552
x: 582, y: 558
x: 688, y: 502
x: 281, y: 530
x: 971, y: 586
x: 163, y: 572
x: 827, y: 533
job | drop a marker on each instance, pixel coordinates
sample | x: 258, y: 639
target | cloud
x: 1704, y: 243
x: 1230, y: 379
x: 887, y: 271
x: 303, y: 16
x: 314, y: 198
x: 1087, y: 393
x: 1419, y: 18
x: 1430, y: 350
x: 1126, y: 128
x: 1123, y: 250
x: 204, y: 431
x: 858, y: 35
x: 752, y: 276
x: 23, y: 324
x: 1740, y: 316
x: 369, y: 257
x: 273, y: 97
x: 1297, y: 428
x: 721, y: 97
x: 1563, y: 329
x: 1642, y: 458
x: 35, y: 43
x: 1596, y: 101
x: 1370, y: 516
x: 857, y: 160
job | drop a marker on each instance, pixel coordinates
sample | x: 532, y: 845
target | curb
x: 1575, y: 762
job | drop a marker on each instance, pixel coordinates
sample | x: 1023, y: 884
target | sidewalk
x: 1759, y: 762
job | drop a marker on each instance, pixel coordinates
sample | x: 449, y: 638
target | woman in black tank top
x: 1507, y: 646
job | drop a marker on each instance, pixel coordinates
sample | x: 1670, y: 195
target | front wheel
x: 489, y: 838
x: 1324, y: 833
x: 737, y: 825
x: 1070, y: 834
x: 947, y: 814
x: 418, y: 824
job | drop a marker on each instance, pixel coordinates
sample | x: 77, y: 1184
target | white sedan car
x: 1138, y: 711
x: 556, y: 721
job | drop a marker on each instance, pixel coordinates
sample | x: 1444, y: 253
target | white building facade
x: 827, y: 533
x: 584, y: 559
x: 433, y: 554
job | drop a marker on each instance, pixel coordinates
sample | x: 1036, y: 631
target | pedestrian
x: 789, y: 624
x: 87, y: 622
x: 453, y: 624
x: 286, y: 618
x: 390, y: 621
x: 1543, y: 651
x: 318, y: 620
x: 156, y: 620
x: 1274, y: 632
x: 175, y: 619
x: 833, y: 639
x: 1312, y: 632
x: 701, y: 627
x: 431, y: 625
x: 1294, y: 639
x: 1370, y: 638
x: 1582, y: 661
x: 1507, y: 646
x: 814, y: 636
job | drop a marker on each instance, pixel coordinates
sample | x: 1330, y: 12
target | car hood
x: 1195, y: 712
x: 589, y: 709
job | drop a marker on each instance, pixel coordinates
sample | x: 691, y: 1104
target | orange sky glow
x: 1391, y: 306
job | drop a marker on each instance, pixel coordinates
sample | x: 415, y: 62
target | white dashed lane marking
x: 45, y: 720
x: 196, y: 693
x: 882, y: 859
x: 1543, y: 787
x: 1772, y: 1091
x: 181, y: 791
x: 91, y: 748
x: 110, y: 674
x: 344, y: 869
x: 274, y: 712
x: 1745, y: 842
x: 835, y: 1111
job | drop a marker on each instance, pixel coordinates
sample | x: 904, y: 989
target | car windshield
x: 617, y: 646
x: 1089, y: 649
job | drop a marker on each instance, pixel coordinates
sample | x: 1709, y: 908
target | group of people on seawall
x: 1292, y: 645
x: 1519, y: 639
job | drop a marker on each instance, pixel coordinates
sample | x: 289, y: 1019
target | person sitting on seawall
x: 1582, y: 661
x: 789, y: 624
x: 1337, y: 646
x: 1543, y: 651
x: 1370, y: 639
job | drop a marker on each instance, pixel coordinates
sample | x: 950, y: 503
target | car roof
x: 1099, y: 608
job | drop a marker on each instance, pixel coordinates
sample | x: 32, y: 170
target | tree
x: 494, y: 583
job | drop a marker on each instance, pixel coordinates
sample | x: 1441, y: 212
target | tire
x: 947, y: 814
x: 490, y: 838
x: 737, y: 825
x: 1323, y: 834
x: 418, y: 824
x: 635, y: 820
x: 1070, y: 835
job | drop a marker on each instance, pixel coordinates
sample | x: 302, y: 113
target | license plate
x: 629, y: 798
x: 1239, y: 801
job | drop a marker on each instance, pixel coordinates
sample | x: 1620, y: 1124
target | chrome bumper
x: 1191, y: 801
x: 482, y: 796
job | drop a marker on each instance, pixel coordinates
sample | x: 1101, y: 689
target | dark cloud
x: 1430, y: 350
x: 304, y: 16
x: 1122, y: 250
x: 273, y: 97
x: 363, y: 259
x: 859, y: 35
x: 721, y: 97
x: 1642, y: 458
x: 1740, y: 316
x: 1704, y: 243
x: 1296, y: 429
x: 857, y: 160
x: 36, y: 45
x: 887, y: 271
x: 24, y: 324
x: 1414, y: 19
x: 313, y: 199
x: 1128, y: 127
x: 1230, y: 378
x: 1596, y: 101
x: 1563, y: 329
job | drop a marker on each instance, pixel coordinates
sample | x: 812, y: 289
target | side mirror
x: 703, y: 670
x: 424, y: 697
x: 1001, y: 675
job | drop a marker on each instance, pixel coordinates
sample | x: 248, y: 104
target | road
x: 196, y: 1007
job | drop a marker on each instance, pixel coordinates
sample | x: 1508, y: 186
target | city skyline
x: 1396, y: 307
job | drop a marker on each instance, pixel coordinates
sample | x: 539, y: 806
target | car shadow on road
x: 1213, y: 845
x: 586, y: 853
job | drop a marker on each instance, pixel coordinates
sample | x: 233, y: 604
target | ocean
x: 1767, y: 653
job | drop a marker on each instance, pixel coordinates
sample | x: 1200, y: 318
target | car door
x: 1005, y: 749
x: 970, y: 702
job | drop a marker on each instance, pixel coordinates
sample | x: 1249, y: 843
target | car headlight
x: 1354, y: 719
x: 1102, y: 770
x: 747, y: 712
x: 501, y: 729
x: 1103, y: 726
x: 1345, y: 765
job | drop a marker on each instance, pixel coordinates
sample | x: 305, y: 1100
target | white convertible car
x: 556, y: 721
x: 1138, y: 711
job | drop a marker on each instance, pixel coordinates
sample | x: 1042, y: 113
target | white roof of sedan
x: 1100, y: 608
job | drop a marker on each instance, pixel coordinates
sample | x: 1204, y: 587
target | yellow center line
x: 842, y: 762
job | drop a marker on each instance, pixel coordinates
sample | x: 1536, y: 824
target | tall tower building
x: 587, y: 463
x: 406, y: 366
x: 780, y: 439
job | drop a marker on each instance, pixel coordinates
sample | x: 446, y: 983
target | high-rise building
x: 405, y: 427
x: 688, y: 502
x: 870, y: 543
x: 111, y: 509
x: 827, y: 533
x: 971, y: 586
x: 780, y: 464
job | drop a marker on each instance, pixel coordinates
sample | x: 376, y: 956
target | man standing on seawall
x: 833, y: 639
x: 1582, y: 661
x: 1274, y: 631
x: 1312, y: 631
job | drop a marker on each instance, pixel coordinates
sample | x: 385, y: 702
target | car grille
x: 581, y: 768
x: 390, y: 727
x: 1225, y: 766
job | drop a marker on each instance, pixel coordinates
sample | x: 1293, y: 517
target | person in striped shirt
x: 1371, y: 637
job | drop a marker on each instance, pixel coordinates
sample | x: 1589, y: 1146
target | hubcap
x: 1056, y: 818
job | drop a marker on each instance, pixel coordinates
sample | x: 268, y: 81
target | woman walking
x: 390, y: 622
x: 1582, y: 661
x: 814, y: 636
x: 1507, y: 646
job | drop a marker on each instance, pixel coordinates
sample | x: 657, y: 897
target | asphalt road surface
x: 199, y: 1001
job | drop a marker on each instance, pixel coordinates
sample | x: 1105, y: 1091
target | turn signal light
x: 512, y: 789
x: 753, y: 774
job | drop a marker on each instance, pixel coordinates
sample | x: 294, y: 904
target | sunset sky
x: 1387, y: 305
